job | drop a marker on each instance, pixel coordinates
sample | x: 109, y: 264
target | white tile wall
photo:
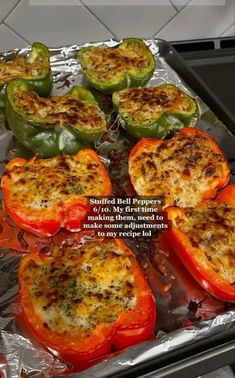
x: 10, y: 40
x: 229, y: 32
x: 195, y: 21
x: 133, y: 20
x: 5, y: 7
x: 179, y: 4
x: 60, y: 22
x: 56, y: 25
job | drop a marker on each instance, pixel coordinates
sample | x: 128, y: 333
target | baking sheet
x: 180, y: 301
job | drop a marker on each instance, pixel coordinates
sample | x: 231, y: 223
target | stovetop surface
x: 214, y: 62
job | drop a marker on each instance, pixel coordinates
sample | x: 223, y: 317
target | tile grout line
x: 221, y: 35
x: 97, y: 18
x: 175, y: 15
x: 177, y: 10
x: 11, y: 10
x: 10, y: 28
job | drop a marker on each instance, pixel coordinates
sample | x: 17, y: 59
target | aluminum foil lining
x: 166, y: 343
x: 21, y: 355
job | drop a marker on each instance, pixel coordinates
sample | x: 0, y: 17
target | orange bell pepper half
x: 203, y: 240
x: 43, y: 195
x: 87, y: 302
x: 184, y: 170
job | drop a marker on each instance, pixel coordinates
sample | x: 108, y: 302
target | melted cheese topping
x: 59, y: 110
x: 212, y: 229
x: 42, y: 183
x: 20, y: 68
x: 109, y: 64
x: 81, y: 288
x: 145, y: 105
x: 180, y: 169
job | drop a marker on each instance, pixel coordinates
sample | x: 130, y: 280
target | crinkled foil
x: 180, y: 301
x: 166, y: 343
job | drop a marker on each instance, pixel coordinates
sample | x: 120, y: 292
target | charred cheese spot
x: 59, y: 110
x: 40, y: 184
x: 212, y: 229
x: 20, y: 68
x: 81, y: 288
x: 180, y: 169
x: 109, y: 64
x: 145, y: 105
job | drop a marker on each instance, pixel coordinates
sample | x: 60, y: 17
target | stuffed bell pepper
x: 48, y: 126
x: 204, y: 239
x: 87, y: 302
x: 110, y: 69
x: 182, y: 171
x: 43, y: 195
x: 35, y: 69
x: 155, y: 111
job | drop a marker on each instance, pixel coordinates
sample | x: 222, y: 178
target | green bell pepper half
x: 50, y: 137
x: 2, y: 97
x: 118, y: 67
x: 155, y: 123
x: 42, y: 83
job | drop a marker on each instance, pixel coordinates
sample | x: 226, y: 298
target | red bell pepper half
x: 87, y: 302
x: 214, y: 233
x: 43, y: 195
